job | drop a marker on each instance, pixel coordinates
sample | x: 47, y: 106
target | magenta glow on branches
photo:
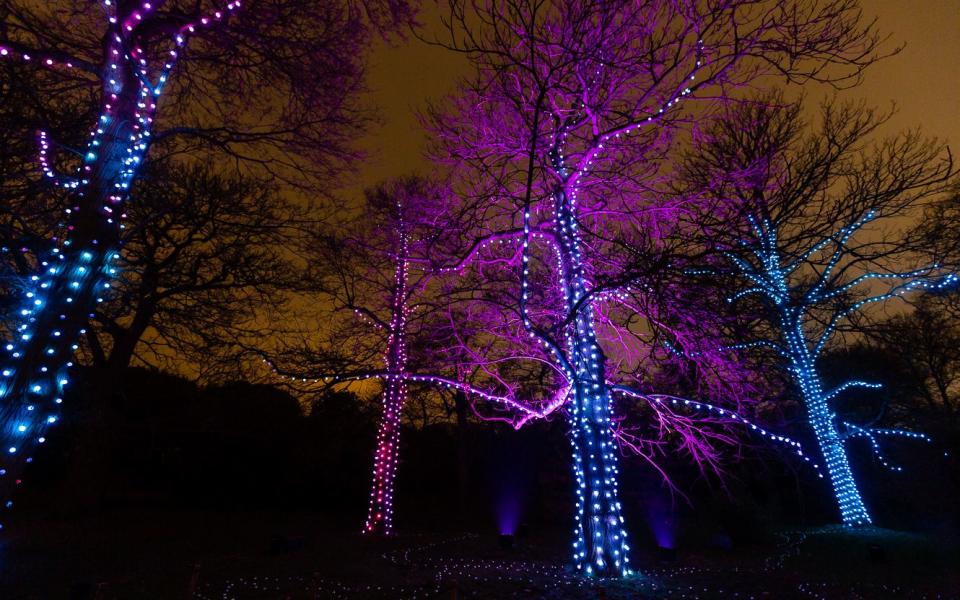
x: 565, y: 132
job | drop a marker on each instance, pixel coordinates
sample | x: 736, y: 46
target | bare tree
x: 809, y: 254
x: 390, y: 314
x: 206, y: 255
x: 229, y: 77
x: 561, y: 142
x: 927, y: 340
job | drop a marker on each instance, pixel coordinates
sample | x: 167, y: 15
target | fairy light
x: 664, y: 401
x: 76, y: 273
x: 445, y: 564
x: 600, y: 546
x: 761, y: 264
x: 872, y: 433
x: 380, y: 509
x: 529, y: 411
x: 395, y: 376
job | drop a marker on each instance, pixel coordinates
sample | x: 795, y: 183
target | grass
x: 266, y: 555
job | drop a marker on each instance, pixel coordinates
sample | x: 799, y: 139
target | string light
x: 762, y: 265
x: 871, y: 433
x: 445, y: 567
x: 76, y: 273
x: 600, y: 545
x: 664, y: 400
x: 380, y: 509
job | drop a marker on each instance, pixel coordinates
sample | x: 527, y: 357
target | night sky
x: 923, y: 80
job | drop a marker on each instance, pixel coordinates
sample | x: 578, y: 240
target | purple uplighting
x: 662, y: 521
x: 509, y: 512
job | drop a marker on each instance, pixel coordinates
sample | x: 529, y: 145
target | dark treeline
x: 163, y: 442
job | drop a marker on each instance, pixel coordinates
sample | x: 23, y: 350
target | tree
x: 811, y: 255
x: 940, y: 230
x: 238, y: 89
x: 932, y: 334
x: 560, y: 142
x: 204, y: 254
x: 386, y: 309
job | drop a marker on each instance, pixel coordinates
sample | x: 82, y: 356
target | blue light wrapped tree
x: 811, y: 255
x: 76, y: 272
x: 769, y: 277
x: 216, y: 80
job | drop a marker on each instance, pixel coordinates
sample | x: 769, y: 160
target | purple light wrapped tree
x: 560, y: 144
x: 388, y: 312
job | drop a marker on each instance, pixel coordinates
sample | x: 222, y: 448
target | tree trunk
x: 59, y: 304
x: 36, y: 372
x: 822, y: 419
x: 600, y: 546
x: 380, y: 509
x: 463, y: 451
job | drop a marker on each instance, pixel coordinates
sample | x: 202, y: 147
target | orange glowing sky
x: 923, y: 80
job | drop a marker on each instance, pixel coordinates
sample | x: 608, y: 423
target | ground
x: 251, y: 555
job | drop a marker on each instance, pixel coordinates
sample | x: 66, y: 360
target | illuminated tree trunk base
x: 600, y: 545
x: 853, y: 512
x: 600, y: 548
x: 380, y: 510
